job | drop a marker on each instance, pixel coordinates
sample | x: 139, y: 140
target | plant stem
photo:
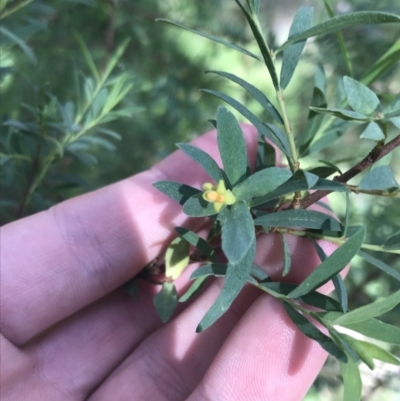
x: 10, y: 11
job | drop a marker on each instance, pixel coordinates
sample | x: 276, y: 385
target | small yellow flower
x: 218, y: 195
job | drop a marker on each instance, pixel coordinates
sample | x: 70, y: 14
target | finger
x: 56, y: 262
x: 265, y: 358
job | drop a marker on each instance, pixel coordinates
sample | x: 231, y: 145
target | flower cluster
x: 218, y: 195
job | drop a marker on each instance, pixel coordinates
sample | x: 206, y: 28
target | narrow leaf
x: 305, y: 326
x: 261, y: 183
x: 347, y: 115
x: 255, y: 93
x: 232, y: 146
x: 198, y: 242
x: 369, y: 311
x: 287, y: 259
x: 176, y: 191
x: 299, y: 218
x: 211, y: 269
x: 204, y: 159
x: 351, y: 381
x: 360, y: 97
x: 393, y: 242
x: 332, y: 265
x: 166, y: 301
x: 88, y: 57
x: 211, y: 37
x: 194, y: 289
x: 237, y: 232
x: 291, y: 56
x: 342, y: 22
x: 250, y: 116
x: 235, y: 279
x: 380, y: 265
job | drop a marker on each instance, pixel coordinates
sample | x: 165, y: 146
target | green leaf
x: 196, y: 206
x: 369, y: 311
x: 263, y: 130
x: 176, y: 258
x: 287, y: 259
x: 384, y: 64
x: 194, y: 289
x: 204, y: 159
x: 368, y: 351
x: 232, y: 146
x: 342, y: 22
x: 198, y: 242
x: 393, y: 242
x: 235, y: 279
x: 299, y: 218
x: 351, y: 381
x: 361, y: 98
x: 376, y: 329
x: 261, y: 183
x: 281, y: 136
x: 291, y: 56
x: 332, y: 265
x: 347, y: 115
x: 313, y: 298
x: 262, y: 44
x: 211, y: 37
x: 323, y: 171
x: 373, y: 131
x: 176, y: 191
x: 211, y: 269
x: 166, y: 301
x: 266, y: 155
x: 20, y: 43
x: 305, y: 326
x: 393, y: 109
x: 395, y: 121
x: 86, y: 54
x: 255, y: 93
x: 237, y: 231
x: 380, y: 178
x: 381, y: 265
x: 385, y: 161
x: 254, y: 6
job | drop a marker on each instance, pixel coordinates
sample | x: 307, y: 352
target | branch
x: 376, y: 154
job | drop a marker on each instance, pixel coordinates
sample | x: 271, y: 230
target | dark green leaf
x: 255, y: 93
x: 166, y: 301
x: 360, y: 97
x: 261, y: 183
x: 204, y: 159
x: 198, y: 242
x: 287, y: 259
x: 369, y: 311
x: 323, y: 171
x: 259, y: 273
x: 314, y: 333
x: 232, y: 146
x: 281, y: 136
x: 351, y: 381
x: 263, y: 130
x: 176, y: 191
x: 213, y: 38
x: 373, y: 131
x: 393, y: 242
x: 291, y: 56
x: 237, y: 231
x: 235, y: 279
x: 20, y: 43
x: 380, y: 265
x: 313, y: 298
x: 344, y: 114
x: 211, y: 269
x: 196, y: 206
x: 342, y: 22
x: 299, y: 218
x: 337, y: 280
x: 194, y: 289
x: 332, y: 265
x: 380, y: 178
x: 374, y: 328
x: 259, y: 36
x: 269, y: 159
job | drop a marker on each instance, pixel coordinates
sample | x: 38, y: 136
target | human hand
x: 69, y: 332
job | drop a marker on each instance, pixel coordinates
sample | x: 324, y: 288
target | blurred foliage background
x: 45, y: 72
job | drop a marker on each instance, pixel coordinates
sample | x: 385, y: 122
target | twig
x: 376, y: 154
